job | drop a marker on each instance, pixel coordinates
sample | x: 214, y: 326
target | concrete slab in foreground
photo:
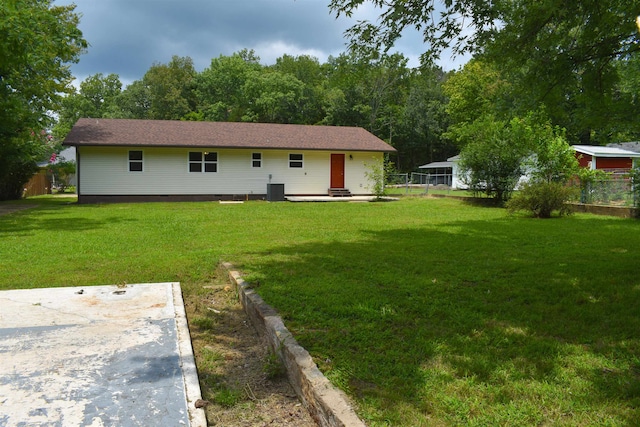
x: 97, y: 356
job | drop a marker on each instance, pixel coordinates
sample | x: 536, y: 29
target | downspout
x: 78, y: 172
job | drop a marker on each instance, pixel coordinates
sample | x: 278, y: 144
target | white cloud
x: 271, y: 50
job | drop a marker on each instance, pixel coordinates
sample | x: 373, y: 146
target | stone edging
x: 619, y: 211
x: 328, y: 406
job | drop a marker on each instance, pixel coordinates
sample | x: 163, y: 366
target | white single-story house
x: 150, y: 160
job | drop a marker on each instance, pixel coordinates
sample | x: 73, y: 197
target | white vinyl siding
x: 105, y: 171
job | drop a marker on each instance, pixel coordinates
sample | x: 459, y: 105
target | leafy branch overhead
x: 579, y: 31
x: 571, y: 57
x: 464, y: 25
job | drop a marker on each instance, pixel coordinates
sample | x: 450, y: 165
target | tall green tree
x: 387, y: 85
x: 170, y: 88
x: 219, y: 88
x: 565, y: 57
x: 626, y: 127
x: 307, y: 70
x: 369, y: 86
x: 272, y: 97
x: 97, y: 98
x: 558, y: 54
x: 165, y: 92
x: 37, y: 41
x: 494, y: 153
x: 476, y: 90
x: 134, y: 102
x: 425, y: 120
x: 345, y: 100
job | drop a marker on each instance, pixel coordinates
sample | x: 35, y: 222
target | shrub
x: 542, y: 199
x: 376, y: 174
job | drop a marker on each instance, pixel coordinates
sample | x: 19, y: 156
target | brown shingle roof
x: 169, y: 133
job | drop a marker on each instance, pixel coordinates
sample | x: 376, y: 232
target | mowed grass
x: 425, y: 311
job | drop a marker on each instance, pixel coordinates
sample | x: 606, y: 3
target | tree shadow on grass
x: 45, y: 217
x: 447, y: 320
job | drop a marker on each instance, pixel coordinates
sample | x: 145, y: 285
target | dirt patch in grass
x: 244, y: 382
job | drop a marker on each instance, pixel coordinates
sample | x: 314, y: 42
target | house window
x: 256, y: 160
x: 135, y: 161
x: 203, y: 162
x: 295, y: 160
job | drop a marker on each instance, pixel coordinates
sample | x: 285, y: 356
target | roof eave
x: 230, y: 147
x: 621, y: 153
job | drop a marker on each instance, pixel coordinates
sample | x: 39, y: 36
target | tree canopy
x: 521, y: 31
x: 570, y: 57
x: 498, y: 153
x: 403, y: 106
x: 37, y: 41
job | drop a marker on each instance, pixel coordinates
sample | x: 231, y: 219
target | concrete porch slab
x: 335, y: 199
x: 97, y: 356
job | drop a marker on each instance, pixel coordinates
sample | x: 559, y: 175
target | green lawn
x: 426, y: 311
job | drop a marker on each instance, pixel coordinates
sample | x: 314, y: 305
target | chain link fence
x: 416, y: 183
x: 397, y: 182
x: 432, y: 179
x: 617, y: 189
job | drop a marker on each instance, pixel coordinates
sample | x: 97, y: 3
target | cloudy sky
x: 127, y: 36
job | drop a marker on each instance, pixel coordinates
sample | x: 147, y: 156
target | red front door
x: 337, y: 171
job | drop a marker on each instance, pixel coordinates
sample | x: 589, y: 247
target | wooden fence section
x: 38, y: 185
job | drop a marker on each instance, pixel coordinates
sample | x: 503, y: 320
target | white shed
x: 446, y: 172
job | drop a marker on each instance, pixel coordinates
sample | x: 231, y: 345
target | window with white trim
x: 135, y: 161
x: 256, y: 160
x: 203, y: 161
x: 296, y: 160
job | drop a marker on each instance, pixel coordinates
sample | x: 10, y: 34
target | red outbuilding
x: 606, y: 158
